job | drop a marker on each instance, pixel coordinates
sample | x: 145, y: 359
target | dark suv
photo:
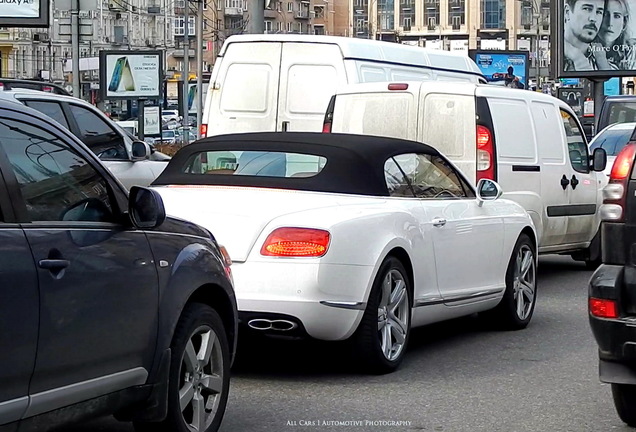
x: 612, y: 291
x: 107, y: 305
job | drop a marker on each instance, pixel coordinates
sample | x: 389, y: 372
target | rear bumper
x: 616, y: 338
x: 327, y: 300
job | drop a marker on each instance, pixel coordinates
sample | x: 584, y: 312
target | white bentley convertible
x: 336, y: 236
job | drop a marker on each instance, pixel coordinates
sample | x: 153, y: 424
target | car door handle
x: 284, y: 126
x: 54, y: 264
x: 565, y: 182
x: 574, y: 182
x: 439, y: 222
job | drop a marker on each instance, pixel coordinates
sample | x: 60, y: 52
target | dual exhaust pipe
x: 278, y: 325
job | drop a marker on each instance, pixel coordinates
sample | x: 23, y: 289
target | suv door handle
x: 565, y: 182
x: 574, y: 182
x: 439, y: 222
x: 54, y: 264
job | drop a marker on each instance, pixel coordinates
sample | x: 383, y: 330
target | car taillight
x: 602, y: 308
x: 326, y: 128
x: 203, y: 131
x: 485, y: 154
x: 614, y: 193
x: 227, y: 261
x: 296, y: 242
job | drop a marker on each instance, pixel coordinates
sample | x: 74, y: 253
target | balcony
x: 233, y: 11
x: 179, y: 53
x: 302, y: 15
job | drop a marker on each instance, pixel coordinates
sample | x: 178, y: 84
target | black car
x: 11, y: 84
x: 107, y: 305
x: 612, y: 291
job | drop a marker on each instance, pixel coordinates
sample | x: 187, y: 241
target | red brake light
x: 326, y: 127
x: 227, y: 261
x: 485, y: 154
x: 296, y: 242
x: 623, y: 164
x: 603, y: 308
x: 398, y: 86
x: 203, y: 132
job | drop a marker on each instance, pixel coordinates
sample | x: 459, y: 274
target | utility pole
x: 199, y: 101
x: 75, y: 51
x: 256, y: 16
x: 186, y: 67
x: 537, y: 65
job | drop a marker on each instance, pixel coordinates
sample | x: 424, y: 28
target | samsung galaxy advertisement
x: 504, y: 68
x: 594, y: 38
x: 130, y: 74
x: 27, y: 13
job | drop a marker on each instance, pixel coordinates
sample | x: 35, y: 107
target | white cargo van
x: 284, y: 82
x: 530, y: 143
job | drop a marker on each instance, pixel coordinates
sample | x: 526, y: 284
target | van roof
x: 367, y: 49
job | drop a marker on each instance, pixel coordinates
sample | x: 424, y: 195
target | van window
x: 246, y: 88
x: 448, y: 121
x: 577, y: 147
x: 513, y: 129
x: 310, y: 99
x: 378, y: 114
x: 546, y: 124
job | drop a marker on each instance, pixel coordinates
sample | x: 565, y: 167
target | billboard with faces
x: 594, y: 38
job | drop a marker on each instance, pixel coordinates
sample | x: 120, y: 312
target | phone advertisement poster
x: 26, y: 13
x: 504, y: 68
x: 192, y: 96
x: 131, y: 75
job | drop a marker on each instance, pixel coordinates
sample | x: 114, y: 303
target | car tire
x: 200, y: 368
x: 383, y: 333
x: 625, y: 402
x: 516, y: 307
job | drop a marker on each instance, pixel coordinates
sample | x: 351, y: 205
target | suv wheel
x: 199, y: 374
x: 625, y: 402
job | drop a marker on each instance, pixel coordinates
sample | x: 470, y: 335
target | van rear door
x: 244, y: 89
x: 310, y: 73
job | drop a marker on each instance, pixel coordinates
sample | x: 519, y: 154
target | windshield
x: 612, y: 140
x: 622, y: 112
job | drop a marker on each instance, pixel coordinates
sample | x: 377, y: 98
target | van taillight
x: 613, y: 208
x: 203, y: 132
x: 326, y: 128
x: 485, y: 154
x: 398, y: 86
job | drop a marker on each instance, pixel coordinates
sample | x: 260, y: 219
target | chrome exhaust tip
x: 274, y: 325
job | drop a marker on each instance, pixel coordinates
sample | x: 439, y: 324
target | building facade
x: 459, y: 25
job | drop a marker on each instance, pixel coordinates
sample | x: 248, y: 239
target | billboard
x: 24, y: 13
x: 504, y: 68
x: 130, y: 74
x: 594, y: 38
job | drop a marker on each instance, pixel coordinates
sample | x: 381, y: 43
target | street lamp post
x: 536, y: 60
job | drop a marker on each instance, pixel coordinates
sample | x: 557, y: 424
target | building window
x: 386, y: 14
x: 526, y: 13
x: 456, y: 13
x: 279, y: 26
x: 238, y: 4
x: 431, y: 13
x: 268, y: 27
x: 319, y: 30
x: 407, y: 13
x: 493, y: 14
x: 289, y: 27
x: 179, y: 27
x: 290, y: 7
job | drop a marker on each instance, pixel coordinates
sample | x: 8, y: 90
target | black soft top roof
x: 355, y: 163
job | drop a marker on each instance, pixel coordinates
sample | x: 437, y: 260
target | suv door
x: 583, y: 185
x: 19, y: 313
x: 97, y: 279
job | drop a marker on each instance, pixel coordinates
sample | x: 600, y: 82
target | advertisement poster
x: 24, y: 13
x: 192, y: 96
x: 131, y: 74
x: 504, y: 68
x: 152, y: 122
x: 573, y: 97
x: 595, y: 38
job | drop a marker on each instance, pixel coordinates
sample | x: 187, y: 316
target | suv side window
x: 577, y: 147
x: 98, y: 135
x: 57, y: 184
x: 431, y: 176
x: 51, y: 109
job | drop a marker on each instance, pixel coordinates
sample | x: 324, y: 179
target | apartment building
x: 458, y: 25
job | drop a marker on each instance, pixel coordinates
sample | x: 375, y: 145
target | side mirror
x: 599, y: 159
x: 140, y: 151
x: 488, y: 190
x: 145, y: 208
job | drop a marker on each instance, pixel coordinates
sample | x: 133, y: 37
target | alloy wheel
x: 201, y: 379
x: 524, y: 282
x: 393, y: 315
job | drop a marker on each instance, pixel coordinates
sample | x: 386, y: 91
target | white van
x: 530, y: 143
x: 284, y: 82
